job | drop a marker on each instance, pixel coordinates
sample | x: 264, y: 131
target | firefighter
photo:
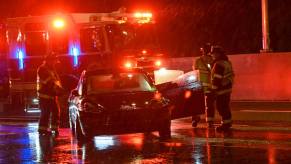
x: 222, y: 76
x: 48, y: 87
x: 203, y: 64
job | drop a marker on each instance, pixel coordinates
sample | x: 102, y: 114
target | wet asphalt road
x: 248, y: 142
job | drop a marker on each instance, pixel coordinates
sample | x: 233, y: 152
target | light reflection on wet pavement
x: 20, y: 143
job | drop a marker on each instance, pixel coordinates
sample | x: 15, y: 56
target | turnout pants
x: 209, y: 105
x: 50, y: 113
x: 223, y: 107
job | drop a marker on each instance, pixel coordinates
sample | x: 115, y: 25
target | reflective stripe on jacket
x: 203, y: 65
x: 222, y: 77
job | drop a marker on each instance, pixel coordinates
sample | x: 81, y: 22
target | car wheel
x: 165, y: 130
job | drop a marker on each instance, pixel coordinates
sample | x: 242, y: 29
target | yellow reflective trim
x: 209, y: 119
x: 228, y: 75
x: 214, y: 87
x: 45, y: 96
x: 204, y: 71
x: 217, y: 76
x: 226, y: 121
x: 206, y: 84
x: 224, y: 91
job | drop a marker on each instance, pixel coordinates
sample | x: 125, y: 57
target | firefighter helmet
x: 217, y: 50
x: 206, y: 48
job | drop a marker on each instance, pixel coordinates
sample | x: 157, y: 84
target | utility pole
x: 265, y: 27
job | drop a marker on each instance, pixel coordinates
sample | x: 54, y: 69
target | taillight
x: 158, y: 96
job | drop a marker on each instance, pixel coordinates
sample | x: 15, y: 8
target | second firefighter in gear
x: 48, y: 89
x: 204, y: 64
x: 222, y: 77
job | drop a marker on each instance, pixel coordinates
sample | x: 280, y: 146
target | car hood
x: 127, y: 100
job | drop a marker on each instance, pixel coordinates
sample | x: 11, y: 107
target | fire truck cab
x: 80, y: 40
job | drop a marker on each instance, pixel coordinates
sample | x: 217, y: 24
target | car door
x: 186, y: 95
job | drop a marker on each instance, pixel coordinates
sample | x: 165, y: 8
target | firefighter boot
x: 223, y: 127
x: 195, y: 121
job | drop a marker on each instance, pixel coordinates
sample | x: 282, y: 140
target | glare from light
x: 20, y: 56
x: 128, y: 65
x: 158, y: 63
x: 129, y: 75
x: 162, y: 71
x: 103, y: 142
x: 59, y: 23
x: 35, y: 101
x: 192, y: 78
x: 143, y: 15
x: 33, y: 111
x: 124, y: 32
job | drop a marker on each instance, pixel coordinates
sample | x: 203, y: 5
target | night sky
x: 185, y: 25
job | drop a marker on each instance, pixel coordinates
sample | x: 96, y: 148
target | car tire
x: 165, y: 130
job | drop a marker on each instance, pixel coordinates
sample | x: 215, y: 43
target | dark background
x: 185, y: 25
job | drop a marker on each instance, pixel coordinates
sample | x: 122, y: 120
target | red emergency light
x: 128, y: 64
x: 59, y: 23
x: 158, y: 63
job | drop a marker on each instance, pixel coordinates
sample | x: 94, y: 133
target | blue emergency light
x: 75, y: 52
x: 20, y: 56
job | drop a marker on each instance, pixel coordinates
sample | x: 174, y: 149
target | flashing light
x: 75, y: 52
x: 129, y: 75
x: 128, y: 64
x: 141, y: 17
x: 144, y: 51
x: 20, y: 57
x: 157, y: 96
x: 187, y: 94
x: 158, y: 63
x: 59, y: 23
x: 103, y: 142
x: 192, y: 78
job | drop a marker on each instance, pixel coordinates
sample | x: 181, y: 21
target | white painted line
x: 266, y: 111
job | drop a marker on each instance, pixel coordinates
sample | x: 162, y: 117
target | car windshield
x: 122, y: 82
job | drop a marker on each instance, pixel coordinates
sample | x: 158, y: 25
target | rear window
x: 118, y: 83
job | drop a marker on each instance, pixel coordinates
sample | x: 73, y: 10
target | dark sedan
x: 127, y: 101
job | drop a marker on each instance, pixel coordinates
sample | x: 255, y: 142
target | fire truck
x: 80, y: 40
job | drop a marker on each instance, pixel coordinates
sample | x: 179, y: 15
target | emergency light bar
x: 121, y: 17
x: 59, y: 23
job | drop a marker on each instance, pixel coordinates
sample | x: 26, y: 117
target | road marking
x: 266, y: 111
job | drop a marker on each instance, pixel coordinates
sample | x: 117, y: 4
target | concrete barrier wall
x: 259, y: 77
